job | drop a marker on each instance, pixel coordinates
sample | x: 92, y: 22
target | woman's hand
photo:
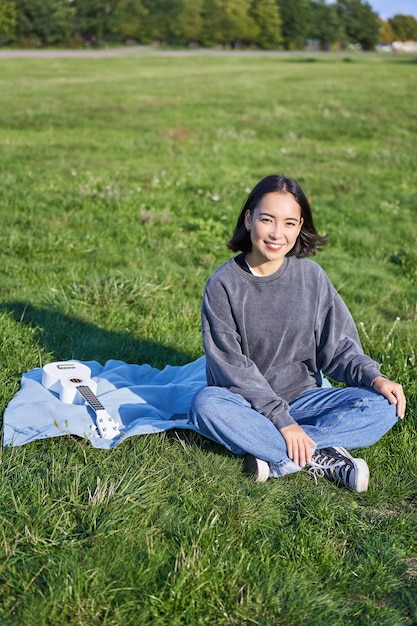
x: 393, y: 392
x: 299, y: 444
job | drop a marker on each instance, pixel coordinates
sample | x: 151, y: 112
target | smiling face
x: 274, y: 227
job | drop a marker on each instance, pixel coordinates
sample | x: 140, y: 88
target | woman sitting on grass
x: 271, y: 323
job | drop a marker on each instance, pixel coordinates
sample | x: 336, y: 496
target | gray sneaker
x: 258, y: 468
x: 338, y: 465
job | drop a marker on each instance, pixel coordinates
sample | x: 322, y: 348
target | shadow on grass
x: 194, y: 439
x: 403, y: 59
x: 301, y: 59
x: 66, y: 337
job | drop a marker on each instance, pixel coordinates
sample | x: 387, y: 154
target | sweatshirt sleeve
x: 340, y: 353
x: 227, y: 366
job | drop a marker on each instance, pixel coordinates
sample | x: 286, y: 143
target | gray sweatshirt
x: 268, y: 338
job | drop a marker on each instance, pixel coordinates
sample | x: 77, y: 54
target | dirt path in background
x: 143, y: 51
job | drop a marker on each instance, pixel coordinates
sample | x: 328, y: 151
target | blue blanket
x: 141, y: 398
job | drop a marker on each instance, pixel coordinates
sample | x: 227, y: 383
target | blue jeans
x: 352, y: 417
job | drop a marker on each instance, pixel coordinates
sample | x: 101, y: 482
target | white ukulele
x: 73, y: 383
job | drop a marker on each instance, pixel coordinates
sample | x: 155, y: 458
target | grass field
x: 121, y: 179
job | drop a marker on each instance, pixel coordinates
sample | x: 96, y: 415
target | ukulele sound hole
x: 75, y: 380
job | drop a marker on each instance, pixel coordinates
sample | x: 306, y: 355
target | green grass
x: 121, y: 179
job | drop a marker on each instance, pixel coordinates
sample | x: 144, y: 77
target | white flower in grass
x: 215, y: 197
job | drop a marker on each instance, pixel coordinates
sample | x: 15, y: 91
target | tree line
x: 264, y: 24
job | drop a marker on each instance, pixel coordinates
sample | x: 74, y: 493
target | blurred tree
x: 265, y: 14
x: 128, y: 20
x: 165, y: 21
x: 8, y: 20
x: 325, y: 24
x: 192, y: 19
x: 227, y: 22
x: 239, y: 25
x: 404, y: 27
x: 360, y: 23
x: 46, y: 21
x: 386, y: 34
x: 93, y: 17
x: 266, y: 23
x: 215, y: 23
x: 296, y: 22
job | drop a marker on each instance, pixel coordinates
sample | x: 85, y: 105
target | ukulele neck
x: 90, y: 398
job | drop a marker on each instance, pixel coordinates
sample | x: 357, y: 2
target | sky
x: 389, y: 8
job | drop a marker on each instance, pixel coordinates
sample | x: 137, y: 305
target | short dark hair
x: 308, y: 241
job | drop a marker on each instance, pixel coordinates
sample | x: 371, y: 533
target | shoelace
x: 329, y: 466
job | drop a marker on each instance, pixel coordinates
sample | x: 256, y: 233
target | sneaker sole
x: 258, y: 468
x: 362, y: 470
